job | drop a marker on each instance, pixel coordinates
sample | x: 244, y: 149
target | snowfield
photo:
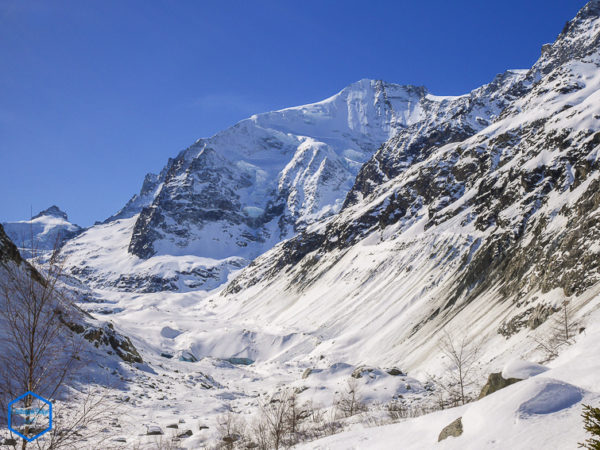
x: 542, y: 411
x: 172, y: 330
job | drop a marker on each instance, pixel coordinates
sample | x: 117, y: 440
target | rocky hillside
x: 101, y: 335
x: 8, y: 250
x: 482, y: 232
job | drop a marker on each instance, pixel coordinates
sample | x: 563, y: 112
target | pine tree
x: 591, y: 423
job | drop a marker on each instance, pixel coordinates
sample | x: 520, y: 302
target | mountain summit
x: 233, y: 196
x: 43, y: 232
x: 53, y: 211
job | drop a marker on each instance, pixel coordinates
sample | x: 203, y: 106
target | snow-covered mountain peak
x: 591, y: 9
x: 366, y: 106
x: 243, y: 190
x: 578, y: 41
x: 52, y: 211
x: 44, y: 231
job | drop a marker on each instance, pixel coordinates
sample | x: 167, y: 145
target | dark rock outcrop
x: 106, y: 335
x: 496, y: 382
x: 8, y: 250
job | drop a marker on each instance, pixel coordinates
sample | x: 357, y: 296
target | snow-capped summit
x: 53, y: 211
x: 45, y: 231
x: 243, y: 190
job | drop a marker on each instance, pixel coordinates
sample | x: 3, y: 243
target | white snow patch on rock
x: 522, y: 369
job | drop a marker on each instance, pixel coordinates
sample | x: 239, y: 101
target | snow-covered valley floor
x: 171, y: 389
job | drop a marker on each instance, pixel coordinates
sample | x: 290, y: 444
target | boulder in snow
x: 455, y: 429
x: 185, y: 434
x: 153, y: 430
x: 496, y: 382
x: 395, y: 372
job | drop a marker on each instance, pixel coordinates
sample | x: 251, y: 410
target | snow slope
x: 543, y: 411
x: 99, y: 256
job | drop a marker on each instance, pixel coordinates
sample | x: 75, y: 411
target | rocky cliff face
x: 451, y: 119
x: 8, y: 250
x: 507, y: 217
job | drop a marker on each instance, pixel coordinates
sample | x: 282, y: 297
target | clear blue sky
x: 94, y: 94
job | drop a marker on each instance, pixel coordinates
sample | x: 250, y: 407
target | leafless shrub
x: 283, y: 422
x: 161, y: 442
x: 463, y: 354
x: 350, y: 401
x: 396, y: 410
x: 445, y: 391
x: 231, y: 430
x: 170, y: 442
x: 260, y: 434
x: 275, y: 416
x: 331, y: 423
x: 296, y: 417
x: 561, y: 333
x: 319, y: 422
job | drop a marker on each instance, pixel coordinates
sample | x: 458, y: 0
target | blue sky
x: 94, y: 94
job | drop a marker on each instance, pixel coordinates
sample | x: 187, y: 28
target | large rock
x: 455, y: 429
x: 361, y: 371
x: 185, y: 434
x: 105, y: 334
x: 153, y: 430
x: 496, y: 382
